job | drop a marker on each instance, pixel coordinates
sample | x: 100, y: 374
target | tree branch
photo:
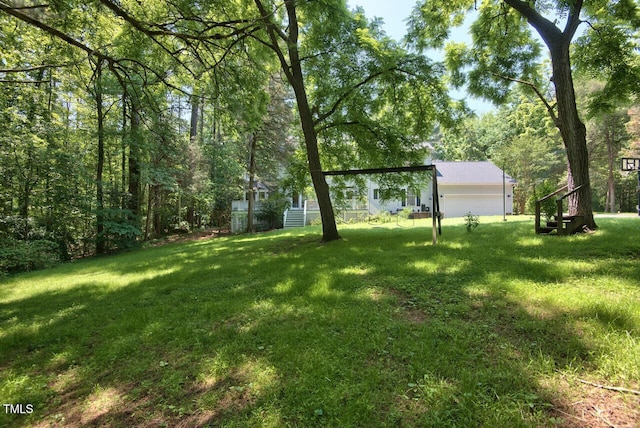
x: 610, y: 388
x: 547, y: 29
x: 574, y: 21
x: 64, y: 37
x: 37, y: 6
x: 24, y: 81
x: 273, y: 32
x: 163, y: 31
x: 115, y: 65
x: 550, y: 108
x: 34, y: 68
x: 348, y: 93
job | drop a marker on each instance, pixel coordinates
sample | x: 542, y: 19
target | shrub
x: 548, y: 207
x: 119, y: 232
x: 21, y: 256
x: 271, y: 211
x: 471, y: 221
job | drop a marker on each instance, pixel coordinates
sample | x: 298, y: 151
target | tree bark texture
x: 574, y: 135
x: 196, y: 101
x: 100, y: 238
x: 610, y: 204
x: 572, y: 130
x: 134, y: 165
x: 296, y: 79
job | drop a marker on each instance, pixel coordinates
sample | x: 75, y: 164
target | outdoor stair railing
x: 564, y: 224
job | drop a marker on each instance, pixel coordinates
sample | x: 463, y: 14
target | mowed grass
x: 497, y: 327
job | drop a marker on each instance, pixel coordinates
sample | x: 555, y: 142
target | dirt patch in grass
x: 110, y: 406
x: 191, y: 237
x: 409, y: 309
x: 580, y: 406
x: 102, y: 407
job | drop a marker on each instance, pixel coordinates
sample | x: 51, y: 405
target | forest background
x: 122, y: 123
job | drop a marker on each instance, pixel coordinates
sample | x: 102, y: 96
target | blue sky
x: 395, y: 13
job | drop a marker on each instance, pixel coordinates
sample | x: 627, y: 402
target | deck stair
x: 294, y: 218
x: 562, y: 223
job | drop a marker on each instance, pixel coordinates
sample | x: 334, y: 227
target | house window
x: 376, y: 193
x: 262, y: 195
x: 414, y: 198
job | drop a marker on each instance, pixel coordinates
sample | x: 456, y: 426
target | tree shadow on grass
x: 279, y: 331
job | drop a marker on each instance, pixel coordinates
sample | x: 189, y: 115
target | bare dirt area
x: 582, y: 405
x: 190, y: 237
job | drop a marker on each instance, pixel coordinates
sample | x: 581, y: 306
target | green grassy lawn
x: 497, y: 327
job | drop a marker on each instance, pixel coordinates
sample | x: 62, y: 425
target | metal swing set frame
x: 436, y: 228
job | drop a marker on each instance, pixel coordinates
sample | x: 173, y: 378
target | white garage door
x: 460, y: 205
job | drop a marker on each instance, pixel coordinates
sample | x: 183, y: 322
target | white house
x: 477, y: 187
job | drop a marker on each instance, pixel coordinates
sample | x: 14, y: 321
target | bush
x: 21, y: 256
x: 471, y: 221
x: 119, y: 232
x: 548, y: 208
x: 271, y: 211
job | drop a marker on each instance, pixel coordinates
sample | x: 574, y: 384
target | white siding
x: 458, y: 200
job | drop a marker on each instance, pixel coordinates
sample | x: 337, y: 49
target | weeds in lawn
x: 380, y: 328
x: 471, y: 221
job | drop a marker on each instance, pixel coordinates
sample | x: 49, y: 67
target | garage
x: 459, y: 205
x: 477, y: 187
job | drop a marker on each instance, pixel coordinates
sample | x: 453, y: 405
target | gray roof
x: 470, y: 173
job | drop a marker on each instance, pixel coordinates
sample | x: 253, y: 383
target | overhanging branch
x: 34, y: 68
x: 350, y: 91
x: 550, y: 108
x: 37, y: 82
x: 163, y: 31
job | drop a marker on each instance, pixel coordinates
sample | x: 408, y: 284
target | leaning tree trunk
x: 329, y: 228
x: 574, y: 135
x: 296, y: 79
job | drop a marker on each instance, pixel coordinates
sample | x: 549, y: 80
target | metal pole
x: 434, y: 205
x: 504, y: 197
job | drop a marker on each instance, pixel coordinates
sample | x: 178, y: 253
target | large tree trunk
x: 574, y: 134
x: 100, y: 238
x: 329, y: 228
x: 610, y: 205
x: 572, y: 130
x: 157, y: 216
x: 134, y: 165
x: 123, y: 159
x: 296, y: 79
x: 196, y: 101
x: 293, y: 71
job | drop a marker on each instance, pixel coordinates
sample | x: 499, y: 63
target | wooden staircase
x: 562, y: 224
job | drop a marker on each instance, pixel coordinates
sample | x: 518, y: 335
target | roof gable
x: 477, y: 173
